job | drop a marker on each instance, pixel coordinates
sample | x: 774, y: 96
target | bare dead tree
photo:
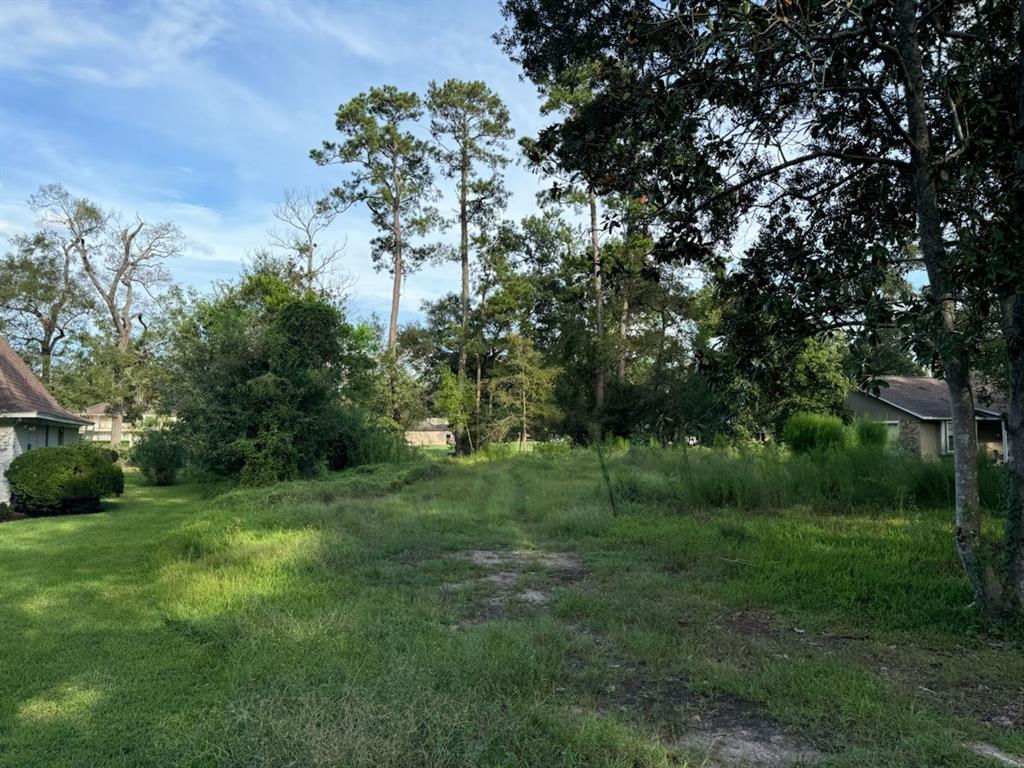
x: 125, y: 263
x: 305, y: 218
x: 120, y: 261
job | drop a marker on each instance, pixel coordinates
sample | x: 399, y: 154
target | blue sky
x: 203, y: 112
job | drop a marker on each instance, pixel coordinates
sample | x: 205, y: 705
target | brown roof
x: 22, y: 393
x: 923, y: 396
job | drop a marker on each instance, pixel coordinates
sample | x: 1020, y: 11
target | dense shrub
x: 805, y: 432
x: 871, y: 433
x: 360, y: 438
x: 268, y: 458
x: 159, y: 454
x: 71, y: 478
x: 257, y: 375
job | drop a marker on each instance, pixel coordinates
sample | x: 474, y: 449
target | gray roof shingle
x: 923, y: 396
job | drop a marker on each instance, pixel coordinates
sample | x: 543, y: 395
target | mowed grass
x: 349, y: 622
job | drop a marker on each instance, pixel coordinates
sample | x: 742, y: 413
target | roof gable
x: 923, y: 396
x: 22, y: 393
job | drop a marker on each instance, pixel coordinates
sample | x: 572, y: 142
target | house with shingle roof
x: 432, y: 431
x: 30, y: 417
x: 918, y: 413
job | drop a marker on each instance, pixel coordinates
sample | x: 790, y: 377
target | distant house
x: 917, y: 411
x: 430, y: 432
x: 106, y: 427
x: 30, y: 417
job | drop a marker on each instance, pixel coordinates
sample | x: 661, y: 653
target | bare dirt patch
x: 731, y: 732
x: 749, y: 624
x: 515, y: 581
x: 928, y: 675
x: 522, y: 559
x: 994, y: 753
x: 726, y: 731
x: 755, y: 747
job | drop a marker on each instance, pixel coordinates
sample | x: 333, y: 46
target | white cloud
x: 313, y: 20
x: 31, y: 30
x: 35, y: 34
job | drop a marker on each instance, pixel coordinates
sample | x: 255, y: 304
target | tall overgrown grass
x: 770, y: 478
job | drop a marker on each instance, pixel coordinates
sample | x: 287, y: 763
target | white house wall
x: 16, y: 437
x: 6, y: 457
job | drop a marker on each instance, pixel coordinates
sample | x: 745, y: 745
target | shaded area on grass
x: 310, y: 624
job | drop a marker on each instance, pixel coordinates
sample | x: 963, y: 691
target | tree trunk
x: 116, y: 426
x: 623, y: 327
x: 1013, y: 332
x: 598, y: 305
x: 464, y: 255
x: 943, y: 294
x: 479, y: 391
x: 396, y: 287
x: 463, y: 442
x: 522, y: 434
x: 45, y: 362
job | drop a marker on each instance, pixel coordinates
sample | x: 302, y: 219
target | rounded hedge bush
x: 159, y: 454
x: 806, y: 432
x: 71, y: 478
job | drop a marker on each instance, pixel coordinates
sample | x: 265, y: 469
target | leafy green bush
x: 269, y: 458
x: 871, y: 433
x: 258, y: 373
x: 159, y: 454
x: 805, y: 432
x: 360, y: 438
x: 71, y: 478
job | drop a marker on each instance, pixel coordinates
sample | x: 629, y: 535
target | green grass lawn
x: 491, y: 614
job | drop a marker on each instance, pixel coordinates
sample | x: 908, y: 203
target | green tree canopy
x: 391, y: 174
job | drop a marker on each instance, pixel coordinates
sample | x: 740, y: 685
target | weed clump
x: 857, y: 477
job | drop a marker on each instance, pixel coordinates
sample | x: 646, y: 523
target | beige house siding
x: 931, y: 438
x: 922, y: 435
x: 102, y: 426
x: 432, y: 431
x: 427, y: 437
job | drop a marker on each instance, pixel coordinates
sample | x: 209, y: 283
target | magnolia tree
x: 865, y: 138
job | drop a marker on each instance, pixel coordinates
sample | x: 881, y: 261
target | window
x: 892, y: 429
x: 46, y: 435
x: 946, y: 436
x: 60, y: 435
